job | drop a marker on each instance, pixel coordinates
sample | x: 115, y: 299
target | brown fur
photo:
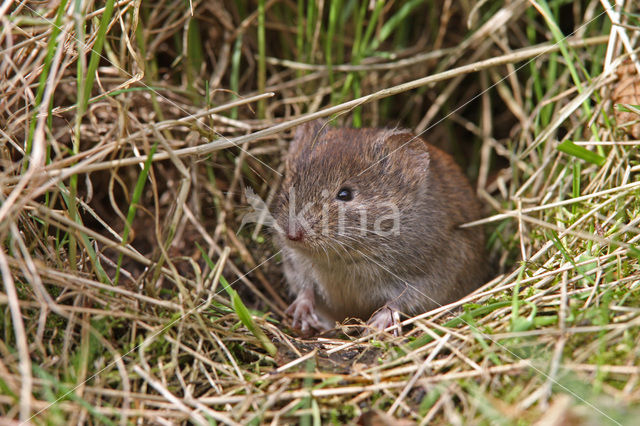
x: 353, y: 273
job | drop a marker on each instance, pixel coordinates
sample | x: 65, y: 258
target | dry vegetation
x: 129, y: 130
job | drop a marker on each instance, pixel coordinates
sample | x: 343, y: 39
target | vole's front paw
x: 386, y: 317
x: 303, y: 312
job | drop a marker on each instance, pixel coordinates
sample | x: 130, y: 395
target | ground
x: 130, y: 132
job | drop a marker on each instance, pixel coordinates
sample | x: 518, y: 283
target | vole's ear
x: 405, y: 150
x: 307, y: 134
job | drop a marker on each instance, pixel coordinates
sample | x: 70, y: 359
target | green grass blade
x: 245, y: 317
x: 569, y: 56
x: 394, y: 21
x: 67, y: 196
x: 515, y: 301
x: 300, y: 34
x: 365, y: 48
x: 461, y: 319
x: 194, y: 53
x: 66, y: 392
x: 137, y: 193
x: 240, y: 308
x: 570, y: 148
x: 336, y: 6
x: 576, y: 184
x: 96, y: 54
x: 42, y: 82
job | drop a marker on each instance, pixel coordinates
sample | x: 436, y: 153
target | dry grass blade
x: 129, y: 132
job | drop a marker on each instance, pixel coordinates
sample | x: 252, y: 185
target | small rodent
x: 367, y: 220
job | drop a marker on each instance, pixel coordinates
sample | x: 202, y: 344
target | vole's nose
x: 295, y: 232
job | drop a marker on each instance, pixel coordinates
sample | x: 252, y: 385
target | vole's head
x: 350, y: 190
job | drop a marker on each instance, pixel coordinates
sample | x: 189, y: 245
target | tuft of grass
x: 130, y: 296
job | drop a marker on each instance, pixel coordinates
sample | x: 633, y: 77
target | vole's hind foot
x: 386, y: 317
x: 303, y: 313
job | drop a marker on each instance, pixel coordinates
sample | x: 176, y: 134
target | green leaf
x: 627, y: 108
x: 194, y: 46
x: 96, y: 53
x: 131, y: 214
x: 634, y: 251
x: 570, y: 148
x: 245, y: 317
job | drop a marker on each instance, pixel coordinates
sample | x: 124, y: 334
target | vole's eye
x: 345, y: 194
